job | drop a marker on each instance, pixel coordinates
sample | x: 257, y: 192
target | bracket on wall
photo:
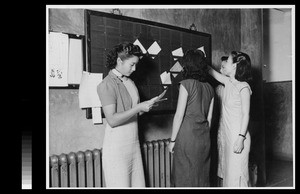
x: 116, y: 10
x: 193, y: 27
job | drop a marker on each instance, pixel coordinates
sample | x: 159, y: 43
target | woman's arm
x: 218, y: 76
x: 178, y: 117
x: 245, y: 94
x: 245, y: 98
x: 209, y: 116
x: 115, y: 119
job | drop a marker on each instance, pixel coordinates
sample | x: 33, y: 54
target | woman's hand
x: 171, y: 147
x: 238, y: 145
x: 146, y: 106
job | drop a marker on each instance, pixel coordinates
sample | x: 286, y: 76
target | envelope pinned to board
x: 160, y: 97
x: 165, y: 78
x: 88, y: 96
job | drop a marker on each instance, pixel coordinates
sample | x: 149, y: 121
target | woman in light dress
x: 122, y: 161
x: 235, y: 109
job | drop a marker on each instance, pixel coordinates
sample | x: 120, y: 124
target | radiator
x: 80, y: 169
x: 157, y: 162
x: 84, y: 169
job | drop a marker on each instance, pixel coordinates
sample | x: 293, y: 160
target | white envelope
x: 88, y: 96
x: 178, y: 52
x: 202, y: 49
x: 165, y: 78
x: 154, y: 49
x: 137, y: 42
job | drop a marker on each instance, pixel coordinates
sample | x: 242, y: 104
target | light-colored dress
x: 122, y: 160
x: 235, y: 166
x: 220, y: 137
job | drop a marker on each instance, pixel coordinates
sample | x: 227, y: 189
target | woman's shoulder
x: 187, y: 84
x: 242, y: 84
x: 106, y: 82
x: 192, y: 82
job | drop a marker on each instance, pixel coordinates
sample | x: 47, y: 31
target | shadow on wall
x: 279, y: 128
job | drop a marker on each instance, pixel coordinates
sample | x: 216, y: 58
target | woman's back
x: 192, y: 148
x: 199, y: 98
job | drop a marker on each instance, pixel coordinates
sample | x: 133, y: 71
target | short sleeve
x: 106, y: 93
x: 243, y: 85
x: 186, y: 84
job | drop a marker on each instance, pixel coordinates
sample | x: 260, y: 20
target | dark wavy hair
x: 194, y: 65
x: 124, y: 50
x: 243, y: 66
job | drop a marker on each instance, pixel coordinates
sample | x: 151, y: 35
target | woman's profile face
x: 228, y: 66
x: 222, y: 66
x: 128, y: 66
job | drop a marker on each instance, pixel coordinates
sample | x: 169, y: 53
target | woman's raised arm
x: 218, y: 76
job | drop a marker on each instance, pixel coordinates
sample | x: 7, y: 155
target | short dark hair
x: 243, y: 66
x: 224, y: 58
x: 124, y: 51
x: 195, y: 65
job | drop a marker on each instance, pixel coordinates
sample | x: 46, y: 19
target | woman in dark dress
x: 190, y: 139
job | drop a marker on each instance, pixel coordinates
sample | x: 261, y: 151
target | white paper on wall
x: 176, y: 67
x: 154, y: 49
x: 178, y: 52
x: 96, y: 114
x: 88, y: 96
x: 137, y: 42
x: 58, y: 59
x: 75, y: 61
x: 202, y: 49
x: 165, y: 78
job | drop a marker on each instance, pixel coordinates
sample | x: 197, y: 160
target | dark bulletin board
x: 105, y: 30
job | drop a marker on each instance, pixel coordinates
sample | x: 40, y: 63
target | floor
x: 279, y: 173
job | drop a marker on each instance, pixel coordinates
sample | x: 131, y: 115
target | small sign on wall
x: 66, y: 59
x: 58, y: 59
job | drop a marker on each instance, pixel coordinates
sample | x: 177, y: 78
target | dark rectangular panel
x: 106, y: 30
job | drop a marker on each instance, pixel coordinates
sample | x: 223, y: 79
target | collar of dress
x: 119, y: 75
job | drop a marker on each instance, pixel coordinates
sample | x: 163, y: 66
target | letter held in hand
x: 160, y: 99
x: 162, y: 94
